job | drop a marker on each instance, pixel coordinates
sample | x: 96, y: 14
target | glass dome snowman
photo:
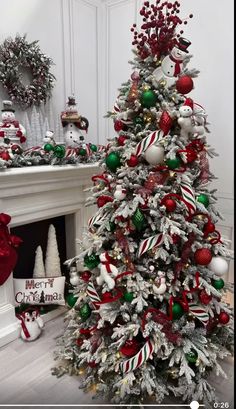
x: 10, y: 128
x: 74, y: 125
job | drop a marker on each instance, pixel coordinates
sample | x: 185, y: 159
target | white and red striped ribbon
x: 199, y: 312
x: 92, y: 293
x: 149, y: 141
x: 142, y: 356
x: 149, y: 243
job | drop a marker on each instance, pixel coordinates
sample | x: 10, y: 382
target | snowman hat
x: 183, y: 44
x: 71, y: 115
x: 7, y: 106
x: 188, y: 102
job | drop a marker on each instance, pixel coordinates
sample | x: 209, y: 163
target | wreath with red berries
x: 17, y: 55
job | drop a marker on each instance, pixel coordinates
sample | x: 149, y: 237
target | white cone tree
x: 52, y: 262
x: 39, y: 270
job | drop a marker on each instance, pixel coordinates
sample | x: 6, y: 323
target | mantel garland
x: 17, y: 54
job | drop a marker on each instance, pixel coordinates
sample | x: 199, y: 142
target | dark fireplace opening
x: 34, y: 235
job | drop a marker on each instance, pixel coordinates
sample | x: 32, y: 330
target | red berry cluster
x: 158, y: 29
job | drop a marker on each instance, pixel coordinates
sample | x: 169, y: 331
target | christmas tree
x: 39, y: 270
x: 151, y: 319
x: 52, y: 262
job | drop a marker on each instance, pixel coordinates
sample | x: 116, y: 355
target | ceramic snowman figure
x: 172, y: 64
x: 160, y: 283
x: 75, y: 126
x: 186, y: 120
x: 107, y: 271
x: 31, y: 325
x: 74, y: 278
x: 10, y: 128
x: 120, y: 193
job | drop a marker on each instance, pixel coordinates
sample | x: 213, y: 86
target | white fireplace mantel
x: 36, y: 193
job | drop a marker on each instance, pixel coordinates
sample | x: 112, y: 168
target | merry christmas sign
x: 39, y: 291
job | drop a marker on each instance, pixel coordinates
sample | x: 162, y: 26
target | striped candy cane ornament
x: 188, y: 196
x: 92, y: 293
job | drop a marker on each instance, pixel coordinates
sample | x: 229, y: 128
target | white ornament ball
x: 218, y: 265
x: 154, y: 155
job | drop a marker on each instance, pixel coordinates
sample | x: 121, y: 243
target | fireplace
x: 34, y: 198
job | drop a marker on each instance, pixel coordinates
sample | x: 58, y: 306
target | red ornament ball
x: 191, y: 156
x: 184, y: 84
x: 79, y: 342
x: 208, y: 228
x: 102, y: 200
x: 118, y: 126
x: 204, y: 297
x: 5, y: 155
x: 92, y: 364
x: 133, y: 161
x: 85, y: 275
x: 121, y: 140
x: 202, y: 256
x: 223, y: 318
x: 130, y: 348
x: 170, y: 205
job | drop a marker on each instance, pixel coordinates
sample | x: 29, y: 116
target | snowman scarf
x: 177, y: 65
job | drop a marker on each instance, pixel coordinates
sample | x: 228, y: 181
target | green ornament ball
x: 191, y: 356
x: 82, y: 152
x: 148, y: 99
x: 173, y: 163
x: 91, y: 261
x: 177, y: 311
x: 202, y: 198
x: 128, y: 297
x: 85, y: 312
x: 218, y: 284
x: 139, y: 220
x: 138, y: 121
x: 113, y: 161
x: 59, y: 151
x: 71, y: 300
x: 112, y: 227
x: 93, y: 148
x: 48, y: 147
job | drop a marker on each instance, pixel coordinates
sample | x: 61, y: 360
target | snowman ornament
x: 120, y: 193
x: 31, y: 325
x: 74, y: 125
x: 172, y: 64
x: 74, y: 278
x: 160, y: 283
x: 10, y: 128
x: 107, y: 271
x: 186, y: 121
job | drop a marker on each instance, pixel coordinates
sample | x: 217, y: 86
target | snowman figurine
x: 10, y: 128
x: 186, y: 120
x: 31, y: 325
x: 160, y: 283
x: 172, y: 64
x: 120, y: 193
x: 75, y: 126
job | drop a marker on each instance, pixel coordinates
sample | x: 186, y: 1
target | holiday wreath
x: 16, y: 55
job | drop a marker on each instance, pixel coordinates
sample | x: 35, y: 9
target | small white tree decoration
x: 52, y: 262
x: 39, y: 270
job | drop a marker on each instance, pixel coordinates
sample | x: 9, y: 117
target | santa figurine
x: 75, y: 126
x: 10, y: 128
x: 172, y: 65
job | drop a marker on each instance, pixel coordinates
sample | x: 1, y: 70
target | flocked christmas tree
x: 39, y: 270
x: 151, y: 318
x: 52, y: 261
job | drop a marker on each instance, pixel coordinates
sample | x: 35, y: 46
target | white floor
x: 25, y: 376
